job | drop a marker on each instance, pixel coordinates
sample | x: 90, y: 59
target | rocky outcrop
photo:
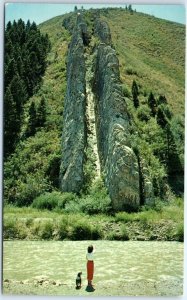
x: 69, y: 23
x: 74, y: 129
x: 118, y: 161
x: 102, y: 30
x: 108, y: 129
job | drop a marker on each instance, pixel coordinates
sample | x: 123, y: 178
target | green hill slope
x: 150, y: 51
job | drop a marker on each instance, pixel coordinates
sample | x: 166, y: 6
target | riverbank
x: 27, y: 223
x: 54, y: 288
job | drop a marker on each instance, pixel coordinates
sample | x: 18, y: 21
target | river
x: 115, y: 261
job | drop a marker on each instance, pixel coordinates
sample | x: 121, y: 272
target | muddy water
x: 114, y: 261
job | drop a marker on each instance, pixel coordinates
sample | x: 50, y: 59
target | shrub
x: 143, y: 218
x: 179, y: 202
x: 95, y: 204
x: 29, y: 222
x: 158, y: 205
x: 46, y: 230
x: 35, y: 229
x: 111, y: 236
x: 124, y: 233
x: 10, y: 230
x: 126, y: 91
x: 81, y: 231
x: 123, y: 217
x: 14, y: 229
x: 131, y: 71
x: 22, y: 230
x: 66, y: 198
x: 61, y: 230
x: 179, y: 235
x: 27, y: 191
x: 144, y: 113
x: 121, y: 235
x: 97, y: 201
x: 54, y: 200
x: 27, y: 171
x: 46, y: 201
x: 96, y: 233
x: 130, y: 207
x: 169, y: 233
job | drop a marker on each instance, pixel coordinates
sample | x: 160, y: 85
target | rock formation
x: 74, y: 127
x: 102, y: 30
x: 118, y: 162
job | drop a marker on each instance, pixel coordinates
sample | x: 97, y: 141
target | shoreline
x: 133, y: 288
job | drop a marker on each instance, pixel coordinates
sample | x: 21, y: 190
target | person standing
x: 90, y: 265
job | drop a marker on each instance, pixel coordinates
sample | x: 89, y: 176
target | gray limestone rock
x: 119, y: 162
x: 102, y: 30
x: 74, y: 129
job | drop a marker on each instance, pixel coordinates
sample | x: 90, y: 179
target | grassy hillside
x: 152, y: 51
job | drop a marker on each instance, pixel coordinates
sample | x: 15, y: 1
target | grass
x: 34, y: 224
x: 172, y: 211
x: 151, y: 51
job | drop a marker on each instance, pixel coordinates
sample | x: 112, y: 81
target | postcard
x: 93, y: 149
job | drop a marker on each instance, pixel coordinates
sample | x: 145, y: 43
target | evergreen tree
x: 41, y: 113
x: 19, y: 93
x: 8, y: 26
x: 25, y: 63
x: 10, y: 122
x: 135, y: 94
x: 167, y: 111
x: 33, y: 27
x: 161, y: 118
x: 21, y: 32
x: 152, y: 104
x: 31, y: 127
x: 28, y: 26
x: 11, y: 69
x: 173, y: 162
x: 162, y: 100
x: 130, y: 9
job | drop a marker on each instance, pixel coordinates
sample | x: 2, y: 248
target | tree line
x: 24, y: 65
x: 166, y: 150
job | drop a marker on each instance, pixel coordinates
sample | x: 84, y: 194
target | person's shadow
x: 89, y: 289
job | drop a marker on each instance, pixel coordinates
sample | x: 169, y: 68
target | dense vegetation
x: 25, y: 63
x: 165, y: 222
x: 152, y: 73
